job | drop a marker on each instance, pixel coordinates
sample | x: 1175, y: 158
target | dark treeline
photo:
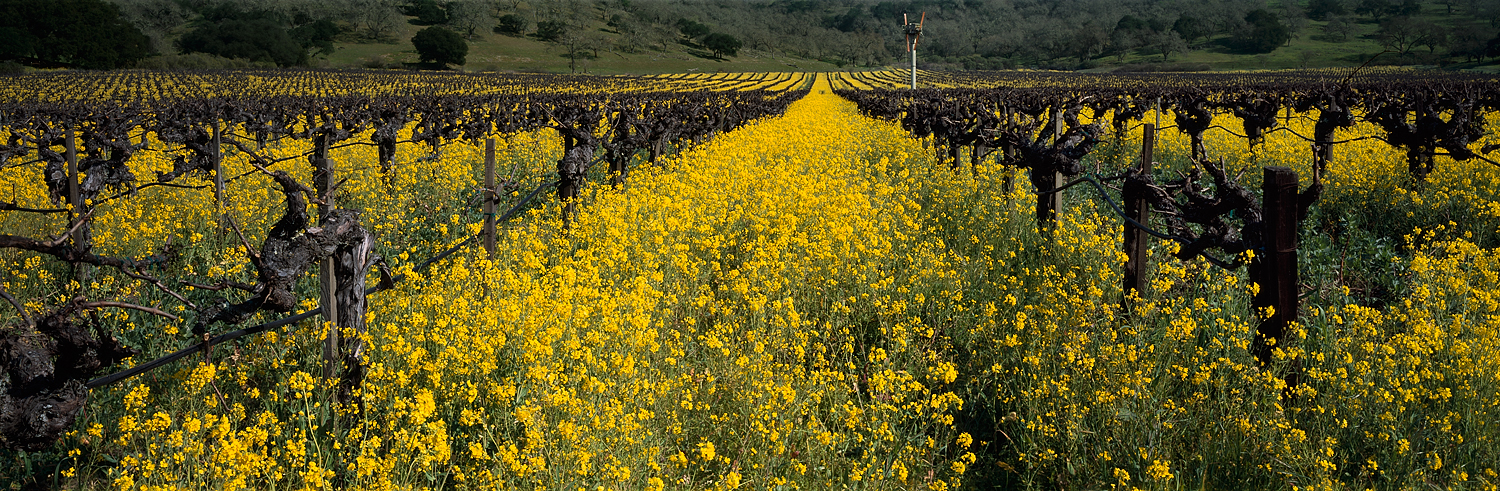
x: 960, y: 34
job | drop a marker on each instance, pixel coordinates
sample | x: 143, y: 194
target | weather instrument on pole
x: 913, y: 34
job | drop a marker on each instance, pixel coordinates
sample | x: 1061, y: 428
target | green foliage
x: 80, y: 33
x: 15, y: 41
x: 317, y: 34
x: 1338, y: 28
x: 1131, y: 23
x: 1191, y: 28
x: 1373, y: 8
x: 691, y: 29
x: 259, y: 36
x: 1263, y: 33
x: 970, y: 34
x: 254, y: 36
x: 1382, y: 9
x: 722, y: 44
x: 1407, y: 8
x: 1323, y: 9
x: 441, y: 46
x: 1089, y: 40
x: 511, y: 25
x: 1468, y: 42
x: 550, y: 30
x: 427, y: 12
x: 849, y: 22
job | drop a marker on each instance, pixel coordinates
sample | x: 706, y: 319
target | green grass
x: 496, y: 52
x: 1309, y: 49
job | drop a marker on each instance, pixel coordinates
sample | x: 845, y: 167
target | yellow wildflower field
x: 811, y: 302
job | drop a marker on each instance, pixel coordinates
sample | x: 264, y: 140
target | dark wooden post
x: 955, y: 161
x: 70, y: 152
x: 349, y: 261
x: 1138, y: 209
x: 1275, y: 268
x: 216, y: 153
x: 1009, y: 184
x: 1009, y: 154
x: 387, y: 154
x: 489, y: 197
x: 1057, y: 177
x: 323, y: 182
x: 978, y: 152
x: 217, y: 156
x: 80, y: 235
x: 323, y: 173
x: 1049, y: 203
x: 566, y: 187
x: 1157, y: 112
x: 1056, y: 198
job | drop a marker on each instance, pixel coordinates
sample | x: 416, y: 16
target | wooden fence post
x: 1009, y: 154
x: 213, y: 151
x: 216, y: 153
x: 70, y: 149
x: 1138, y: 209
x: 977, y: 153
x: 1275, y: 268
x: 489, y: 197
x: 323, y: 182
x: 566, y: 187
x: 81, y: 272
x: 1009, y: 183
x: 1048, y: 204
x: 349, y: 261
x: 1056, y: 199
x: 1157, y: 112
x: 1057, y: 177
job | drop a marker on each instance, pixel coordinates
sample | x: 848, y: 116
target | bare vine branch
x: 123, y: 305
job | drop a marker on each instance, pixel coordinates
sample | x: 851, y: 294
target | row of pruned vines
x: 1048, y: 123
x: 77, y: 135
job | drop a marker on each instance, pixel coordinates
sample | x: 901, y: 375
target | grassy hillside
x: 1310, y: 48
x: 496, y: 52
x: 810, y: 36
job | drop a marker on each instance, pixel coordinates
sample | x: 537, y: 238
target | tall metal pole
x: 913, y: 32
x: 913, y: 67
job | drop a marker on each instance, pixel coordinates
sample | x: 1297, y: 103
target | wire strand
x: 239, y: 333
x: 1131, y: 221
